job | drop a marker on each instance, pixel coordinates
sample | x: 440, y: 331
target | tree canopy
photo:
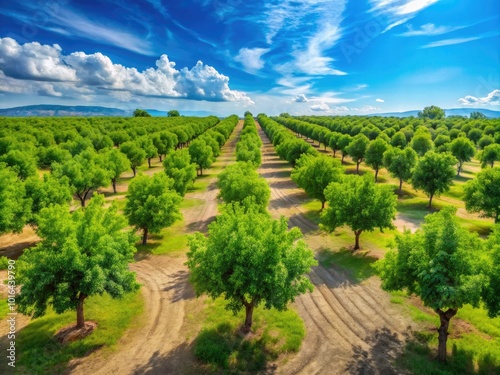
x: 250, y: 259
x: 360, y: 204
x: 179, y: 168
x: 141, y: 113
x: 81, y: 254
x: 14, y: 207
x: 482, y: 194
x: 400, y: 163
x: 375, y: 154
x: 432, y: 112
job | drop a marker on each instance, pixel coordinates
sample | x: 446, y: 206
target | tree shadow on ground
x: 199, y: 225
x: 357, y: 265
x: 178, y: 361
x: 277, y: 174
x: 181, y: 287
x: 14, y: 251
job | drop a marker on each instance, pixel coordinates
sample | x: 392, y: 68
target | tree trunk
x: 444, y: 318
x: 161, y: 157
x: 134, y: 170
x: 145, y: 236
x: 376, y: 175
x: 357, y: 233
x: 357, y: 166
x: 342, y: 161
x: 248, y: 317
x: 334, y: 152
x: 80, y: 318
x: 322, y: 206
x: 149, y: 162
x: 82, y: 199
x: 430, y: 201
x: 201, y: 171
x: 497, y: 218
x: 325, y: 146
x: 113, y: 181
x: 401, y: 186
x: 459, y: 168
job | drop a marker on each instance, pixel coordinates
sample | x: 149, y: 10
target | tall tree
x: 23, y: 163
x: 141, y: 113
x: 463, y: 149
x: 482, y: 194
x: 152, y: 204
x: 434, y: 174
x: 432, y: 112
x: 250, y: 259
x: 315, y: 173
x: 359, y: 203
x: 422, y: 142
x: 375, y: 155
x: 85, y: 173
x: 179, y: 168
x: 173, y: 113
x: 441, y: 264
x: 81, y: 254
x: 14, y: 207
x: 201, y: 154
x: 357, y: 149
x: 135, y: 154
x: 490, y: 155
x: 400, y: 163
x: 116, y: 162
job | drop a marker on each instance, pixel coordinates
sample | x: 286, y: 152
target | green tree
x: 116, y: 162
x: 475, y: 135
x: 375, y: 155
x: 152, y: 204
x: 359, y: 203
x: 343, y: 143
x: 490, y: 155
x: 201, y: 154
x: 433, y: 112
x: 14, y: 207
x: 482, y: 194
x: 485, y: 141
x: 476, y: 115
x: 85, y: 173
x: 23, y: 163
x: 491, y: 292
x: 146, y: 143
x: 463, y: 149
x: 315, y: 173
x: 422, y: 143
x: 81, y: 254
x: 400, y: 163
x: 240, y: 181
x: 179, y: 168
x: 434, y: 174
x: 173, y: 113
x: 357, y: 149
x: 399, y: 140
x: 250, y: 259
x: 141, y: 113
x: 135, y: 154
x: 441, y: 264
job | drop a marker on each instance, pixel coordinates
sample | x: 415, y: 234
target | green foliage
x: 491, y: 294
x: 15, y: 209
x: 476, y: 115
x: 375, y: 154
x: 141, y: 113
x: 490, y: 155
x: 179, y: 168
x: 360, y: 204
x: 357, y: 149
x: 152, y: 204
x: 4, y: 263
x: 81, y: 254
x: 399, y: 140
x: 23, y: 163
x: 240, y: 181
x: 433, y: 113
x: 173, y: 113
x: 250, y: 259
x: 463, y: 149
x: 422, y: 143
x: 434, y: 174
x: 201, y: 154
x: 249, y: 144
x: 482, y: 194
x: 135, y: 154
x: 400, y: 163
x: 314, y: 174
x: 116, y: 162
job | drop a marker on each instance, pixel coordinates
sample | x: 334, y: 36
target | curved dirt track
x: 159, y: 345
x: 350, y: 328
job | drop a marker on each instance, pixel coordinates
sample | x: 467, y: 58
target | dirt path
x: 351, y: 328
x: 160, y: 345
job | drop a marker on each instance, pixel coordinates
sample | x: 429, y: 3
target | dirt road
x: 351, y: 328
x: 160, y: 345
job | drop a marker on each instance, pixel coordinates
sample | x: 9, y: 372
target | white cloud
x: 430, y: 29
x: 380, y: 100
x: 322, y: 107
x: 251, y: 58
x: 449, y: 42
x: 367, y: 109
x: 493, y: 98
x: 301, y: 98
x: 34, y: 62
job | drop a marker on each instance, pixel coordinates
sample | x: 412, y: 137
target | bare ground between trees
x: 350, y: 328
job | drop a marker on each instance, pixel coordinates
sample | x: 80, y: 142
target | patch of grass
x: 4, y: 263
x: 220, y: 345
x: 190, y: 203
x: 169, y: 240
x: 358, y: 264
x: 201, y: 183
x: 4, y: 308
x: 39, y: 353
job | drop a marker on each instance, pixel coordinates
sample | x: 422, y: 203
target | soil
x: 70, y: 333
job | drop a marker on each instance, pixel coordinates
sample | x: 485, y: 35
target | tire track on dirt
x: 341, y: 317
x: 166, y: 292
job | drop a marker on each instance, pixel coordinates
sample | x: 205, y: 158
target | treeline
x: 249, y: 144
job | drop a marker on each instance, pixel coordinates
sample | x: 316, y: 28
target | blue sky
x: 228, y: 56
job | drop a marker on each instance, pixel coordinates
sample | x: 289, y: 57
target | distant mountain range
x: 63, y: 110
x: 87, y: 111
x: 449, y: 112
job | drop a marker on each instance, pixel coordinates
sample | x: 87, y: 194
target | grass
x: 169, y: 240
x: 4, y: 308
x: 358, y: 265
x: 39, y: 353
x: 220, y: 345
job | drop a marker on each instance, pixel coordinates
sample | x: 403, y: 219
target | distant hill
x: 87, y: 111
x: 449, y: 112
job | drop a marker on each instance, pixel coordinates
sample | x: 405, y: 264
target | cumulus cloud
x: 322, y: 107
x: 380, y: 100
x: 493, y: 98
x: 251, y: 58
x: 301, y: 98
x: 35, y: 62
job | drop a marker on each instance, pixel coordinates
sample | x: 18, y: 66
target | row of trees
x: 249, y: 144
x: 249, y: 258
